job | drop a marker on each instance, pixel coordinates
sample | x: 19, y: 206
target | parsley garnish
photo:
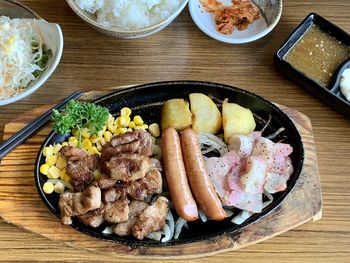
x: 79, y: 115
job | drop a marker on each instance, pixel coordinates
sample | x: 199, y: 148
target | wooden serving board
x: 21, y: 205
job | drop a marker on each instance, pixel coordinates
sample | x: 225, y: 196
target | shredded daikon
x: 210, y: 142
x: 21, y: 51
x: 180, y: 223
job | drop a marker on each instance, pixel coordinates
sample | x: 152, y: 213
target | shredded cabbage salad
x: 23, y: 55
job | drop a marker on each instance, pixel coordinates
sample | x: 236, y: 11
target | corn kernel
x: 57, y: 148
x: 132, y: 125
x: 116, y: 122
x: 144, y: 126
x: 129, y: 130
x: 121, y: 130
x: 72, y: 138
x: 97, y: 174
x: 48, y: 188
x: 61, y: 163
x: 125, y: 111
x: 73, y: 142
x: 107, y: 136
x: 65, y: 144
x: 124, y: 121
x: 75, y: 132
x: 85, y: 132
x: 103, y: 141
x: 93, y: 150
x: 86, y: 144
x: 54, y: 172
x: 138, y: 127
x: 44, y: 168
x: 111, y: 127
x: 138, y: 120
x: 99, y: 146
x: 63, y: 173
x: 59, y: 188
x: 47, y: 151
x: 94, y: 139
x: 110, y: 118
x: 51, y: 160
x: 154, y: 129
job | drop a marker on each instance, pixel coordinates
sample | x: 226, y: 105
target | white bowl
x: 271, y: 13
x: 117, y: 32
x: 53, y: 39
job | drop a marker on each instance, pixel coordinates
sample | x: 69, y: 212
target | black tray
x: 330, y: 95
x: 146, y: 100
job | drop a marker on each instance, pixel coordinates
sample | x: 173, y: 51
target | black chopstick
x: 25, y: 133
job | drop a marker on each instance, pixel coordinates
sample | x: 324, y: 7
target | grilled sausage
x: 198, y: 178
x: 175, y: 173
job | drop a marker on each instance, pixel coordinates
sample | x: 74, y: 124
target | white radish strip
x: 202, y: 216
x: 241, y: 217
x: 180, y: 223
x: 155, y: 235
x: 167, y: 233
x: 108, y: 230
x: 171, y: 222
x: 273, y: 135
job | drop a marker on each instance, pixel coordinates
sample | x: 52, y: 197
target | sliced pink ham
x: 253, y: 179
x: 241, y: 199
x: 264, y: 148
x: 243, y: 144
x: 218, y: 168
x: 277, y: 182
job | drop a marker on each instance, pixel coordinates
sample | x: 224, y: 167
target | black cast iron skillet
x: 146, y: 100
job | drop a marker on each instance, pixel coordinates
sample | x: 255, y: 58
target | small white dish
x: 53, y: 39
x: 271, y: 11
x: 120, y: 33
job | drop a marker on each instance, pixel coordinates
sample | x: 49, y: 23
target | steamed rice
x: 129, y: 14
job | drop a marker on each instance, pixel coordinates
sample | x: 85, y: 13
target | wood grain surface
x: 181, y: 51
x: 302, y: 204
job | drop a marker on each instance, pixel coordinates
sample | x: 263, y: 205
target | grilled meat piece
x: 73, y: 204
x: 138, y: 142
x: 80, y: 166
x: 106, y: 182
x: 151, y: 219
x: 114, y: 193
x: 92, y: 218
x: 135, y: 208
x: 117, y: 211
x: 151, y: 184
x: 129, y: 166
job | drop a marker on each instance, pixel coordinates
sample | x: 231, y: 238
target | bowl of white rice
x: 128, y: 18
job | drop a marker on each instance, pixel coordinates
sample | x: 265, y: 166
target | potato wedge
x: 236, y: 120
x: 206, y: 115
x: 176, y: 114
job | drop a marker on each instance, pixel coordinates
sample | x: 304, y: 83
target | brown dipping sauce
x: 318, y: 55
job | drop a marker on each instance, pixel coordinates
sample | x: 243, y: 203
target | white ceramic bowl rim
x: 46, y: 74
x: 224, y: 38
x: 93, y: 22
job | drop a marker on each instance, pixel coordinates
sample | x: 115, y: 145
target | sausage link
x: 175, y: 174
x: 198, y: 178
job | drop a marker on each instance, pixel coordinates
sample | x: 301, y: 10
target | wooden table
x: 181, y: 51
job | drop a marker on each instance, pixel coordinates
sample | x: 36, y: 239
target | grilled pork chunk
x: 73, y: 204
x: 117, y: 211
x: 80, y: 166
x: 92, y: 218
x: 137, y: 142
x: 151, y: 219
x: 135, y: 208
